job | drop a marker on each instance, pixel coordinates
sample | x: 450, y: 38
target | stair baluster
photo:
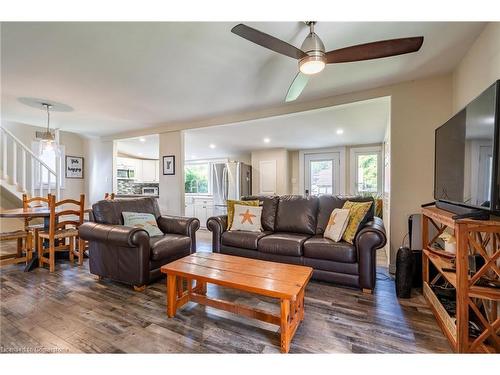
x: 17, y: 180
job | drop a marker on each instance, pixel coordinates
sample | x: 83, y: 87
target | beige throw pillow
x: 337, y: 224
x: 247, y: 218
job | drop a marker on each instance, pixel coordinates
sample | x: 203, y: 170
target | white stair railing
x: 10, y: 166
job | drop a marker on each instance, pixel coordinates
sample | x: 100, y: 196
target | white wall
x: 479, y: 68
x: 98, y: 169
x: 172, y: 187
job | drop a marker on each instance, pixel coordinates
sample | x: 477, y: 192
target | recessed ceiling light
x: 140, y: 153
x: 340, y: 131
x: 212, y: 145
x: 267, y: 140
x: 142, y: 139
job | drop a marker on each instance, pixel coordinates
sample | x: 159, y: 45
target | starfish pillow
x: 247, y: 218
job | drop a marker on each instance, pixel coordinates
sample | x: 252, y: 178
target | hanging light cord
x: 48, y: 117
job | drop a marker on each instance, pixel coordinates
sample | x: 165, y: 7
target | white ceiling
x: 361, y: 122
x: 147, y: 147
x: 127, y: 76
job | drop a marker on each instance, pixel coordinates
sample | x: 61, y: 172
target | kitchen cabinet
x: 149, y: 170
x: 145, y: 170
x: 199, y: 207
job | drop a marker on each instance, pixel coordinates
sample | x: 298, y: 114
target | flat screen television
x: 467, y: 155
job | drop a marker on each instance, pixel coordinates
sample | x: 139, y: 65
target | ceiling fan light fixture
x: 312, y: 64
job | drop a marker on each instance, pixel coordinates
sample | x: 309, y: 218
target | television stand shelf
x: 473, y: 302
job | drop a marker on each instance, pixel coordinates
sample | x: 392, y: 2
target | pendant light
x: 47, y: 138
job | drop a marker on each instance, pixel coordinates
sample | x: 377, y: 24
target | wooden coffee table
x: 284, y: 281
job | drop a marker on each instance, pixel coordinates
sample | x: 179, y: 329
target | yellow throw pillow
x: 230, y: 209
x: 357, y: 212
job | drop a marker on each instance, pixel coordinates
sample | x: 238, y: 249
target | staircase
x: 21, y: 169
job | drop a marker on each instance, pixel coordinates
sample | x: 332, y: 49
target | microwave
x: 150, y: 190
x: 124, y: 173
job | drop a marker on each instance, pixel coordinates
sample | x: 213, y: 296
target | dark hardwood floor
x: 70, y: 311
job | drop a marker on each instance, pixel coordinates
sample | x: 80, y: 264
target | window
x: 197, y: 178
x: 50, y: 158
x: 321, y: 177
x: 366, y: 170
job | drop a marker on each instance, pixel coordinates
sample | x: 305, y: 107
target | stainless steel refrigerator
x: 230, y: 180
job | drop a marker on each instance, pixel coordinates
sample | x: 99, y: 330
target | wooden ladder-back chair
x: 61, y: 228
x: 24, y: 241
x: 109, y: 196
x: 34, y: 202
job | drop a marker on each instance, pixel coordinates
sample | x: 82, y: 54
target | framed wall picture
x: 169, y: 165
x: 74, y: 166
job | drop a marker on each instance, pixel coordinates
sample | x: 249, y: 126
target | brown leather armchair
x: 129, y: 255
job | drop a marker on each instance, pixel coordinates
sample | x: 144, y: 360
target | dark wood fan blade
x: 375, y: 50
x: 295, y: 89
x: 267, y: 41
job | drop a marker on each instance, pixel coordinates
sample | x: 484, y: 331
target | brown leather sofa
x: 129, y: 255
x: 293, y: 228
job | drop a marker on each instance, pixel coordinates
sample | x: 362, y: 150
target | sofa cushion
x: 168, y: 245
x: 319, y: 247
x: 327, y: 203
x: 110, y: 212
x: 242, y: 239
x: 269, y: 208
x: 297, y: 214
x: 282, y: 244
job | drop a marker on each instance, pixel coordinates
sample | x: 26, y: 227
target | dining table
x: 32, y: 213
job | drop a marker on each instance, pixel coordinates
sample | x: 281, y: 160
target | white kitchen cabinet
x: 199, y: 207
x: 189, y: 210
x: 157, y: 171
x: 149, y: 172
x: 145, y: 170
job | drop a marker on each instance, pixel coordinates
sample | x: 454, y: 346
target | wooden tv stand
x: 479, y: 303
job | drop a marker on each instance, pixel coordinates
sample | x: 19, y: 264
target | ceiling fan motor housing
x: 315, y: 50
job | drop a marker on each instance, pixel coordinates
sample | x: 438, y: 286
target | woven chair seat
x: 34, y: 227
x: 62, y: 233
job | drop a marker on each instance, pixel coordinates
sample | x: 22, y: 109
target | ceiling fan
x: 313, y: 58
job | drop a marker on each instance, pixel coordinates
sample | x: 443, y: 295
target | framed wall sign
x: 74, y: 166
x: 169, y: 165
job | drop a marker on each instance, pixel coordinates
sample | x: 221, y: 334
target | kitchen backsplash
x: 131, y: 187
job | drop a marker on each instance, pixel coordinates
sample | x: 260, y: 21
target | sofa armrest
x: 217, y: 225
x: 370, y: 238
x: 118, y: 235
x: 180, y: 225
x: 118, y: 252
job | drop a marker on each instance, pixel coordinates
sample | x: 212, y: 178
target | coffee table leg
x: 285, y: 325
x: 300, y: 301
x: 201, y: 287
x: 171, y: 295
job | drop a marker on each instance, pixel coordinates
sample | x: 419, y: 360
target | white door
x: 267, y: 177
x: 321, y: 173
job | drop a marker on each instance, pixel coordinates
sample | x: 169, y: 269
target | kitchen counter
x: 135, y: 196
